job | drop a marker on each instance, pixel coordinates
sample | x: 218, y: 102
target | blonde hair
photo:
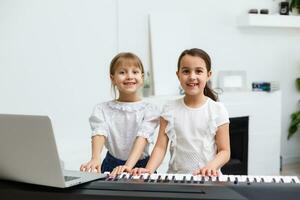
x: 124, y: 59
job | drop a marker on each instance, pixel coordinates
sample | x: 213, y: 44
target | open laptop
x: 28, y: 153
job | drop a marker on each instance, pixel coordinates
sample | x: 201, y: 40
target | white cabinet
x: 264, y: 111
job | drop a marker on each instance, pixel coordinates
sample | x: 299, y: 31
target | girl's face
x: 128, y: 79
x: 193, y: 75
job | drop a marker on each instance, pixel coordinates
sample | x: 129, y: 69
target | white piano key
x: 136, y: 177
x: 145, y: 176
x: 206, y: 178
x: 242, y: 178
x: 188, y: 177
x: 258, y: 179
x: 290, y: 179
x: 277, y: 179
x: 179, y: 177
x: 197, y: 178
x: 214, y: 178
x: 231, y: 178
x: 171, y: 177
x: 153, y: 176
x: 268, y: 179
x: 287, y: 179
x: 251, y: 178
x: 163, y: 176
x: 223, y: 178
x: 296, y: 179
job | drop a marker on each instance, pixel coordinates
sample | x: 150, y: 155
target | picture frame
x: 232, y: 80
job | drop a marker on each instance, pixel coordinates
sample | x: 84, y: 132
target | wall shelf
x: 260, y: 20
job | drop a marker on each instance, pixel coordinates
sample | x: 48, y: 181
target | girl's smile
x: 193, y: 75
x: 128, y: 79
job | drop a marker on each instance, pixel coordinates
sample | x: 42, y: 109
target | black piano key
x: 228, y: 179
x: 202, y: 180
x: 183, y: 180
x: 236, y: 181
x: 159, y: 179
x: 174, y: 179
x: 189, y: 181
x: 116, y: 178
x: 281, y: 180
x: 248, y: 181
x: 192, y: 180
x: 147, y: 178
x: 124, y: 176
x: 166, y: 180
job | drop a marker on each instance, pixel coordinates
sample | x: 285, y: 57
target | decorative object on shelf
x: 264, y: 11
x: 265, y: 86
x: 253, y: 11
x: 261, y: 11
x: 147, y: 85
x: 295, y: 4
x: 232, y: 80
x: 295, y: 117
x: 284, y: 8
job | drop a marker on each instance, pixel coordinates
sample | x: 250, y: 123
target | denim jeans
x: 110, y: 162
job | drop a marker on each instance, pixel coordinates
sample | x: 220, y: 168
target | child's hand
x: 119, y: 170
x: 207, y: 171
x: 138, y: 171
x: 92, y: 166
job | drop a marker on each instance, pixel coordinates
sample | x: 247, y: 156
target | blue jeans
x: 110, y: 162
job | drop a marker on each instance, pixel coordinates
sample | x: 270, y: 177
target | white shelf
x: 261, y: 20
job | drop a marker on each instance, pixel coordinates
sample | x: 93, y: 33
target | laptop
x: 28, y: 153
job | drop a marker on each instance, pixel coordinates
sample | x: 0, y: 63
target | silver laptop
x: 28, y: 153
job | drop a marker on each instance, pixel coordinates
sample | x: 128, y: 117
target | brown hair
x: 124, y: 58
x: 208, y: 91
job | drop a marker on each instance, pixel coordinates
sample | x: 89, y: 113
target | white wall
x: 54, y: 56
x: 54, y: 60
x: 267, y: 54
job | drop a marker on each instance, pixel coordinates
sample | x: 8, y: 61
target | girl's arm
x: 223, y: 152
x: 97, y: 146
x: 135, y: 153
x: 158, y: 152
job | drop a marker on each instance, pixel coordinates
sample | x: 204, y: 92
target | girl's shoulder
x: 172, y: 105
x: 216, y: 106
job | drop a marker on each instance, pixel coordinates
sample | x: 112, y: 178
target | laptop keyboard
x: 70, y: 178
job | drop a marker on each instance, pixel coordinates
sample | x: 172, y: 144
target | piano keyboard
x: 190, y: 179
x: 186, y: 186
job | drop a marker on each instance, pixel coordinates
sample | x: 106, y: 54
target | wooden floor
x: 291, y: 169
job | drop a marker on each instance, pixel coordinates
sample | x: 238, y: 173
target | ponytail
x: 210, y: 92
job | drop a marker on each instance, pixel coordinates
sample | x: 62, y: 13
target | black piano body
x: 158, y: 190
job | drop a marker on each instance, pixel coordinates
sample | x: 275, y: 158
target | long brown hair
x: 124, y: 58
x: 208, y: 91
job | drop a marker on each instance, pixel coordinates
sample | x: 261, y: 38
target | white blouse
x: 191, y: 132
x: 122, y: 122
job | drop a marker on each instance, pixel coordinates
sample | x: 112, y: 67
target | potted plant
x: 295, y: 117
x: 295, y: 4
